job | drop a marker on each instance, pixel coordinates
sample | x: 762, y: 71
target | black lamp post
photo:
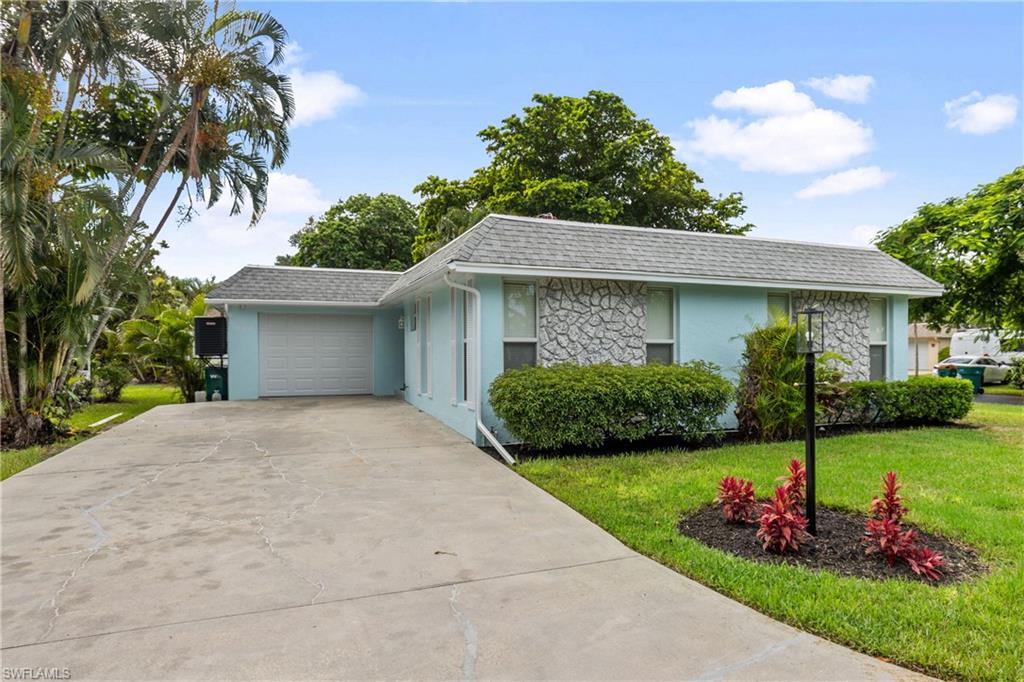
x: 810, y: 341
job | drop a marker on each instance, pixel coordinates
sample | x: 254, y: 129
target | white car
x: 995, y: 371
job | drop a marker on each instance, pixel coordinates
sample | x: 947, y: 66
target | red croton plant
x: 736, y: 496
x: 782, y: 525
x: 884, y: 533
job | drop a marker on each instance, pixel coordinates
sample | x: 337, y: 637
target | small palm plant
x: 164, y: 339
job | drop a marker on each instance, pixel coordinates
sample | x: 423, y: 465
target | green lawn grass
x: 1003, y: 389
x: 135, y: 399
x: 964, y: 482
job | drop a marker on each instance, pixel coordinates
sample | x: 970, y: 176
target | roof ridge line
x: 316, y: 267
x: 640, y: 228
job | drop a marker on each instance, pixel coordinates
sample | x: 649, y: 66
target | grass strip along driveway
x: 135, y: 400
x: 966, y: 483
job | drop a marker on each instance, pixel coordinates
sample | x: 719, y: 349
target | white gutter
x: 479, y: 370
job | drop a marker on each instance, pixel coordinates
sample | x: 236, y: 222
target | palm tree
x: 229, y: 76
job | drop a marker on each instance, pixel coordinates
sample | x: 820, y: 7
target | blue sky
x: 929, y: 105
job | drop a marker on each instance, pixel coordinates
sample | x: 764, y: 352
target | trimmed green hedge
x: 587, y: 405
x: 917, y: 400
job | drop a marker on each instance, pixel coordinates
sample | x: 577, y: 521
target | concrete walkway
x: 347, y: 538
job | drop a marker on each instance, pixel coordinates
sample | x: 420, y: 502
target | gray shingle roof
x: 500, y: 240
x: 538, y: 242
x: 318, y: 285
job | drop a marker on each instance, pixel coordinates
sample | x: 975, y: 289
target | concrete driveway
x: 346, y: 538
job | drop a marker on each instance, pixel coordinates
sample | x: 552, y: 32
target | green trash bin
x: 216, y: 382
x: 947, y: 371
x: 976, y: 375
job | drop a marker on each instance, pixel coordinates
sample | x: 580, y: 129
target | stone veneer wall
x: 846, y: 327
x: 591, y: 321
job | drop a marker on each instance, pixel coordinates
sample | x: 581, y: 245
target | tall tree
x: 150, y: 90
x: 974, y: 246
x: 583, y: 158
x: 362, y: 232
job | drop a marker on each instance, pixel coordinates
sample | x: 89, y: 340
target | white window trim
x: 536, y: 322
x: 430, y: 347
x: 675, y: 319
x: 468, y: 343
x: 888, y: 334
x: 415, y: 331
x: 453, y: 384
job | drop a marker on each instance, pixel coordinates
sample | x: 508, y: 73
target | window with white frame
x: 520, y: 321
x: 778, y: 304
x: 424, y: 346
x: 661, y: 332
x: 878, y: 324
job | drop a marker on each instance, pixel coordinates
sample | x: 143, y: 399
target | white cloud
x: 290, y: 200
x: 217, y: 243
x: 846, y: 182
x: 840, y: 86
x: 803, y: 142
x: 977, y: 115
x: 863, y: 235
x: 780, y: 97
x: 319, y: 95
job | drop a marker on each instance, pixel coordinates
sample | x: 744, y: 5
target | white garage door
x: 315, y: 354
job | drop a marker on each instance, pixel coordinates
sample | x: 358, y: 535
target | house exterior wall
x: 710, y: 323
x: 441, y: 401
x: 591, y: 321
x: 846, y: 327
x: 244, y: 353
x: 846, y: 330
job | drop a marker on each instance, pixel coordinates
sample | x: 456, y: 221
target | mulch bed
x: 836, y: 548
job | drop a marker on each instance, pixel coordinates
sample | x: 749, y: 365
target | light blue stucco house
x: 514, y: 291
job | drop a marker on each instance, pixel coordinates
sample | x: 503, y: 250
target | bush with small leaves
x: 111, y: 378
x: 574, y: 406
x: 736, y: 496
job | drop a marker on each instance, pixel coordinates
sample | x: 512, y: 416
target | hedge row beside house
x: 586, y: 406
x: 917, y: 400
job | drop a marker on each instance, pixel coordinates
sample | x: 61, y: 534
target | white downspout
x: 477, y: 390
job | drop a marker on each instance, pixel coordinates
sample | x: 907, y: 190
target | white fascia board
x: 263, y: 301
x: 398, y: 294
x: 579, y: 273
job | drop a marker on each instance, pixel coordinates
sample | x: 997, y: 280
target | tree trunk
x: 7, y: 397
x: 74, y: 82
x: 140, y: 259
x: 150, y: 141
x: 22, y: 352
x: 24, y: 31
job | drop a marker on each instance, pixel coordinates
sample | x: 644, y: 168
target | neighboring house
x: 516, y: 291
x: 924, y: 347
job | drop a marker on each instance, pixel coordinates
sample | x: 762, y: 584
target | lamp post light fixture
x: 810, y: 340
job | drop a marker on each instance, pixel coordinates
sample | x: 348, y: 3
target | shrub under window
x: 585, y: 406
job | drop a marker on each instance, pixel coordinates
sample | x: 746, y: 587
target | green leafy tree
x: 164, y: 339
x: 583, y: 158
x: 362, y: 232
x: 974, y: 247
